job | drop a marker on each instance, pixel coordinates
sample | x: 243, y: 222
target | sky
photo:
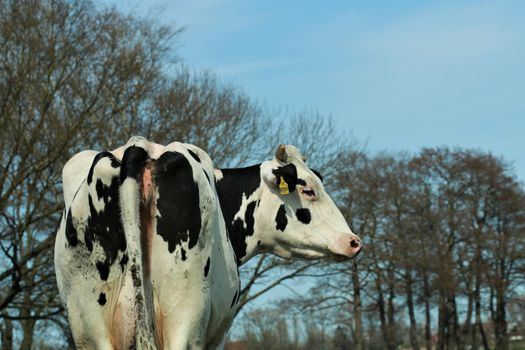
x: 398, y: 75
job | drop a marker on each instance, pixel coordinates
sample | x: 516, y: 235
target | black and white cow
x: 300, y: 221
x: 151, y: 239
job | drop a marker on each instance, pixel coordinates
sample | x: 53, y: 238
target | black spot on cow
x: 105, y: 226
x: 194, y: 155
x: 103, y: 269
x: 303, y: 215
x: 280, y: 219
x: 234, y: 300
x: 231, y: 189
x: 133, y: 163
x: 102, y: 191
x: 89, y: 234
x: 102, y: 299
x: 244, y: 227
x: 178, y: 204
x: 289, y: 173
x: 97, y: 158
x: 71, y: 231
x: 115, y: 163
x: 207, y: 176
x: 301, y: 182
x: 249, y: 218
x: 318, y: 174
x: 207, y: 267
x: 102, y: 226
x: 182, y: 254
x: 124, y: 261
x: 135, y: 276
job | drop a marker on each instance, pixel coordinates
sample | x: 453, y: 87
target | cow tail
x: 133, y: 163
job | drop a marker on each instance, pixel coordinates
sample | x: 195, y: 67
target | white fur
x: 218, y: 174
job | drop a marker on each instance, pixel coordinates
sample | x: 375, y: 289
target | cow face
x: 298, y: 217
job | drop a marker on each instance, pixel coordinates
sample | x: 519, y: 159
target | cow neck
x: 239, y: 199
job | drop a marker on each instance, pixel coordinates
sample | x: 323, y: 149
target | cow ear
x: 281, y: 176
x: 280, y: 153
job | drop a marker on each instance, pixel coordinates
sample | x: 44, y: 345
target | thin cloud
x: 447, y: 35
x: 258, y: 66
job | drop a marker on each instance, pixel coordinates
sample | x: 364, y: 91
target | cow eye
x: 308, y: 191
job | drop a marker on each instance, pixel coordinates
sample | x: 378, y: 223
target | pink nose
x: 355, y: 246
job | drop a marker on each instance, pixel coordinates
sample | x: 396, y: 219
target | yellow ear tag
x: 283, y: 186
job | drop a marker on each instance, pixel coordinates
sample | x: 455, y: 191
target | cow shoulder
x: 238, y: 191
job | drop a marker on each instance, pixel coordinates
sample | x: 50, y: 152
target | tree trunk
x: 358, y: 318
x: 479, y: 325
x: 500, y: 326
x: 410, y: 303
x: 467, y: 326
x: 382, y: 314
x: 28, y: 328
x: 491, y: 305
x: 392, y: 335
x: 7, y: 335
x: 442, y: 322
x: 28, y: 324
x: 428, y: 328
x: 477, y: 315
x: 455, y: 322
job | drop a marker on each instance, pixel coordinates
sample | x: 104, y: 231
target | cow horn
x: 280, y: 153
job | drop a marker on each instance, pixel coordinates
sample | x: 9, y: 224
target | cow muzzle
x: 346, y: 246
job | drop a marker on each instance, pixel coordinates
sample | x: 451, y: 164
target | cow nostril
x: 354, y: 243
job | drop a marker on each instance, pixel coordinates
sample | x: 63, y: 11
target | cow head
x: 296, y: 217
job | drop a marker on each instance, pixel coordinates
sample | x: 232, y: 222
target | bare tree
x: 72, y: 77
x: 443, y: 234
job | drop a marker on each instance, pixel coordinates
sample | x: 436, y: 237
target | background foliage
x: 444, y: 229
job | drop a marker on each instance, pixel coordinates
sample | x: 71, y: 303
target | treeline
x: 443, y: 230
x: 443, y: 265
x: 74, y: 76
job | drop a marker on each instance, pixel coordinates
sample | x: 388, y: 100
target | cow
x: 152, y: 237
x: 281, y: 207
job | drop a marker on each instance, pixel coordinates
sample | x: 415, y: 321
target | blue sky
x: 400, y: 75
